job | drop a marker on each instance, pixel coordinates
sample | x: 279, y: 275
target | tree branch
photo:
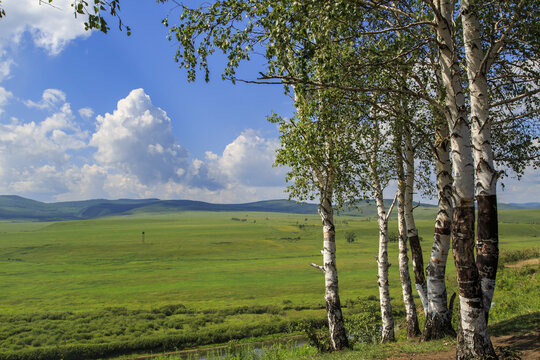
x: 318, y: 267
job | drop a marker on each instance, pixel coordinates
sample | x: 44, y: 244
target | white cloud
x: 86, y: 112
x: 520, y: 191
x: 136, y: 139
x: 5, y: 66
x: 4, y: 98
x: 35, y: 155
x: 49, y: 99
x: 132, y: 153
x: 248, y: 161
x: 50, y: 27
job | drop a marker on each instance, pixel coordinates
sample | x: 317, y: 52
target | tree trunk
x: 487, y: 250
x: 387, y: 331
x: 406, y: 288
x: 473, y: 340
x: 338, y: 336
x: 412, y: 231
x: 438, y: 318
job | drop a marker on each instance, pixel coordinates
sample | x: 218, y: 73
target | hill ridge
x: 14, y: 207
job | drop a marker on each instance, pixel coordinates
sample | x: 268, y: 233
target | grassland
x: 95, y: 288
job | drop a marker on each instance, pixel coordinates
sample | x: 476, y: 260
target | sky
x: 89, y: 115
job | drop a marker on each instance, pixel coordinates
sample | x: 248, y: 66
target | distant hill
x: 18, y: 208
x: 14, y: 207
x: 512, y: 206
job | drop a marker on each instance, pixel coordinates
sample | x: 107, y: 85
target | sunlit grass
x: 89, y: 283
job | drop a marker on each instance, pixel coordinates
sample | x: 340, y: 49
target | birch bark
x: 438, y: 317
x: 387, y: 331
x: 336, y: 325
x: 487, y: 250
x: 406, y: 288
x: 473, y: 338
x: 412, y: 231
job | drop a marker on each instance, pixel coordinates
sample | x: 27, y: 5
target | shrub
x: 364, y: 325
x: 317, y: 333
x: 350, y: 237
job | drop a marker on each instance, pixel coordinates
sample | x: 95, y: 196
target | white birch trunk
x: 412, y: 231
x: 406, y: 288
x: 387, y: 331
x: 336, y: 325
x: 438, y: 317
x: 382, y: 273
x: 486, y: 176
x: 473, y: 339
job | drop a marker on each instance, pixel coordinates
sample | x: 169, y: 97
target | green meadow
x: 96, y: 288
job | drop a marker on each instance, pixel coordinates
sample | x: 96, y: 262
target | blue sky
x: 86, y: 115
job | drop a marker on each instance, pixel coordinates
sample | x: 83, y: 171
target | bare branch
x: 391, y: 208
x: 318, y: 267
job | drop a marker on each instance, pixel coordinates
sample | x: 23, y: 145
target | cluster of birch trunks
x: 465, y: 176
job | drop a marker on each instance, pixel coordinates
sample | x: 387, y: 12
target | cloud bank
x: 131, y: 153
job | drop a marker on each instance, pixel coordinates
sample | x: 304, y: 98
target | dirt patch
x: 523, y: 263
x: 526, y: 346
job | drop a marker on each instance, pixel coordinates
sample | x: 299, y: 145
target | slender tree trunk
x: 438, y: 318
x: 412, y: 231
x: 338, y: 336
x: 473, y: 338
x: 406, y: 288
x: 387, y: 331
x: 487, y: 249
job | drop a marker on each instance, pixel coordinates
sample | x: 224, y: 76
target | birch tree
x: 316, y: 147
x: 438, y: 317
x: 378, y: 181
x: 410, y: 308
x: 484, y: 47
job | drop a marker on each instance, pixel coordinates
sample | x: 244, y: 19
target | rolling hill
x: 14, y: 207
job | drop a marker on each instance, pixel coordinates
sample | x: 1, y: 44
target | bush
x: 350, y: 237
x: 317, y: 334
x: 364, y: 325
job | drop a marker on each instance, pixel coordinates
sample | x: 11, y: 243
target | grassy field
x: 94, y: 287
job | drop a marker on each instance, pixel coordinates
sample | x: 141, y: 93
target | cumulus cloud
x: 132, y: 153
x: 49, y: 99
x: 137, y: 139
x: 248, y: 160
x: 34, y: 155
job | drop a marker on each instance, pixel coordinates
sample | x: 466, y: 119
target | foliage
x: 350, y: 236
x: 317, y: 334
x: 364, y: 323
